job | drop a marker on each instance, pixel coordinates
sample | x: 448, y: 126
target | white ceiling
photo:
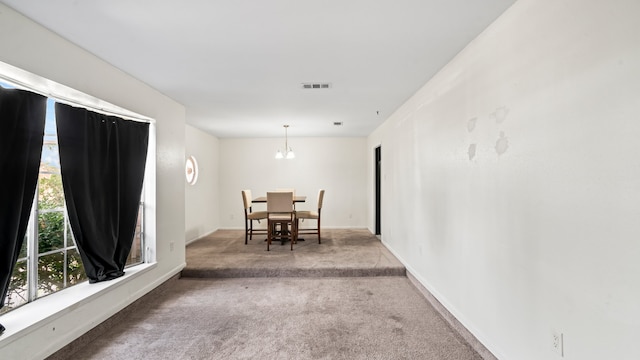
x: 238, y: 65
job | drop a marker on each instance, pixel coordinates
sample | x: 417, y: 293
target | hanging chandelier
x: 289, y: 152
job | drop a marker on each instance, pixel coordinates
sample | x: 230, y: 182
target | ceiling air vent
x: 316, y: 85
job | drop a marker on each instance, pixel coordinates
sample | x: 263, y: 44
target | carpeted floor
x: 341, y: 253
x: 298, y: 307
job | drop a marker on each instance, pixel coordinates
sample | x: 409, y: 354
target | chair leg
x: 250, y: 229
x: 319, y: 241
x: 284, y: 227
x: 294, y: 233
x: 270, y: 230
x: 246, y: 231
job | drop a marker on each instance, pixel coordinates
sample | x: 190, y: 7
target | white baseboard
x: 479, y: 343
x: 187, y: 242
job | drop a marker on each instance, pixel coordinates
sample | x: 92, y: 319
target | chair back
x: 246, y: 198
x: 279, y: 202
x: 320, y: 198
x: 291, y: 190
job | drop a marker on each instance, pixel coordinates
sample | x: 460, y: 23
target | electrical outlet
x: 171, y: 246
x: 557, y: 343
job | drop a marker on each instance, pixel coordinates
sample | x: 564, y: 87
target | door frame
x: 378, y: 189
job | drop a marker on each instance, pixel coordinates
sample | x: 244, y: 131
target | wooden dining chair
x: 312, y: 215
x: 280, y: 212
x: 292, y: 190
x: 250, y: 216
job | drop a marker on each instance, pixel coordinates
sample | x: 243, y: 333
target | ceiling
x: 238, y: 65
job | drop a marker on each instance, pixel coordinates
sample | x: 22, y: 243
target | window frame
x: 60, y: 93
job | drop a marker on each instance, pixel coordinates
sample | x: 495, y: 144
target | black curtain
x: 22, y: 118
x: 102, y: 161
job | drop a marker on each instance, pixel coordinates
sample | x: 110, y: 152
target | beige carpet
x: 342, y: 253
x: 299, y: 317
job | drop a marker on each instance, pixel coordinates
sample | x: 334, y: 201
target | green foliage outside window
x: 54, y: 271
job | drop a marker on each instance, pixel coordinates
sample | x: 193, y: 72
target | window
x: 49, y: 260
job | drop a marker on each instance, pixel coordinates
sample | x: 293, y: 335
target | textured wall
x: 202, y: 201
x: 510, y: 181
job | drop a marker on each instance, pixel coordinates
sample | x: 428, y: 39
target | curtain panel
x: 22, y: 119
x: 102, y: 161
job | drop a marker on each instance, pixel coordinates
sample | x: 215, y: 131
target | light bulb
x: 290, y: 154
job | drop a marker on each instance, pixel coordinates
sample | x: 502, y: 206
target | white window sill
x: 26, y: 318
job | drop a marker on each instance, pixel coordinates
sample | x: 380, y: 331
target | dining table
x: 263, y: 199
x: 296, y: 199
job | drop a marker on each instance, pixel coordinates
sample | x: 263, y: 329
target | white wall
x: 30, y: 47
x: 337, y: 165
x: 202, y: 214
x: 537, y: 229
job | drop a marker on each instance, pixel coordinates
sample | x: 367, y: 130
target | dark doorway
x: 378, y: 164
